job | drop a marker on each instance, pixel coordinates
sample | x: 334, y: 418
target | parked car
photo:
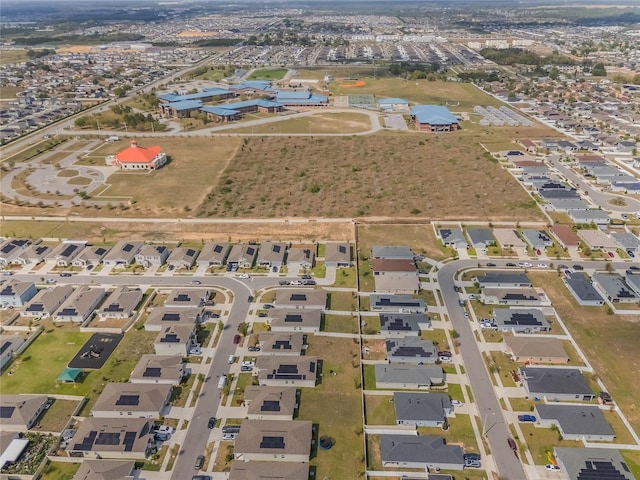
x: 165, y: 429
x: 491, y: 264
x: 229, y: 436
x: 562, y: 266
x: 308, y: 282
x: 262, y: 314
x: 538, y: 251
x: 254, y: 348
x: 445, y: 353
x: 50, y: 280
x: 161, y: 437
x: 201, y: 477
x: 624, y: 216
x: 461, y: 303
x: 245, y: 368
x: 466, y: 314
x: 524, y: 264
x: 199, y: 462
x: 7, y: 273
x: 611, y: 255
x: 195, y: 351
x: 471, y: 456
x: 232, y: 359
x: 236, y: 339
x: 196, y: 282
x: 171, y: 267
x: 513, y: 445
x: 248, y: 363
x: 283, y: 282
x: 578, y: 267
x: 65, y: 274
x: 445, y: 359
x: 211, y: 423
x: 631, y: 254
x: 456, y: 403
x: 526, y: 418
x: 296, y: 282
x: 274, y: 269
x: 511, y: 264
x: 306, y: 277
x: 552, y: 468
x: 542, y: 265
x: 267, y: 306
x: 472, y: 463
x: 244, y: 275
x: 634, y: 268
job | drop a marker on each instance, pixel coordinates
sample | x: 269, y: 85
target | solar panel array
x: 270, y: 406
x: 87, y: 442
x: 129, y: 441
x: 154, y: 372
x: 6, y: 411
x: 600, y: 470
x: 128, y: 400
x: 523, y: 319
x: 298, y: 297
x: 397, y: 324
x: 108, y: 438
x: 282, y: 345
x: 272, y: 442
x: 293, y: 317
x: 4, y: 347
x: 127, y: 248
x: 69, y: 250
x: 501, y: 116
x: 170, y: 317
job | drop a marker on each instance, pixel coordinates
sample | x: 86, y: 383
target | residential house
x: 481, y: 237
x: 597, y: 240
x: 14, y: 293
x: 159, y: 369
x: 161, y: 317
x: 504, y: 280
x: 185, y: 298
x: 411, y: 350
x: 396, y: 284
x: 307, y: 321
x: 397, y: 303
x: 182, y: 258
x: 633, y: 280
x: 141, y: 400
x: 47, y: 301
x: 90, y: 255
x: 453, y: 237
x: 534, y: 350
x: 64, y: 254
x: 106, y: 470
x: 287, y: 371
x: 118, y: 438
x: 537, y: 238
x: 80, y: 306
x: 175, y: 340
x: 242, y: 256
x: 565, y: 236
x: 627, y: 240
x: 518, y: 296
x: 520, y: 320
x: 274, y: 441
x: 9, y: 344
x: 508, y: 238
x: 33, y: 254
x: 585, y: 463
x: 599, y: 217
x: 555, y: 384
x: 122, y: 254
x: 405, y: 324
x: 214, y: 254
x: 21, y: 412
x: 576, y: 422
x: 412, y: 377
x: 303, y: 299
x: 582, y: 289
x: 121, y: 303
x: 420, y: 451
x: 270, y: 403
x: 152, y: 255
x: 300, y: 258
x: 11, y: 248
x: 615, y: 288
x: 272, y: 254
x: 391, y: 252
x: 337, y: 255
x: 422, y: 409
x: 281, y: 343
x: 269, y: 470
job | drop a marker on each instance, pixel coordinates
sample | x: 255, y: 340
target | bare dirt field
x: 434, y: 176
x: 317, y: 123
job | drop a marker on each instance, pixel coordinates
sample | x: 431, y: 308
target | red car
x: 236, y: 339
x: 538, y: 252
x: 611, y: 255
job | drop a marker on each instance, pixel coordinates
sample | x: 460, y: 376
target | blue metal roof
x: 186, y: 104
x: 248, y: 103
x: 393, y: 101
x: 220, y: 111
x: 433, y: 115
x: 300, y: 98
x: 253, y: 84
x: 208, y: 92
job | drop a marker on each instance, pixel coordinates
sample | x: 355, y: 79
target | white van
x: 222, y: 382
x: 232, y: 359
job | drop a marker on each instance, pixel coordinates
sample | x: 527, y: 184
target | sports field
x: 268, y: 74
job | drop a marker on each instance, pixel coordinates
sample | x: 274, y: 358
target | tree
x: 598, y: 70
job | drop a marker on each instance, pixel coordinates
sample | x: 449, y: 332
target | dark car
x: 284, y: 282
x: 306, y: 277
x: 631, y: 254
x: 262, y: 314
x: 562, y: 266
x: 511, y: 265
x: 199, y: 462
x: 267, y: 306
x: 634, y: 268
x: 444, y: 353
x: 212, y: 422
x: 491, y: 264
x: 236, y: 339
x: 201, y: 477
x: 471, y: 456
x: 578, y: 267
x: 253, y: 348
x: 65, y: 274
x: 512, y: 445
x: 526, y: 418
x: 308, y: 282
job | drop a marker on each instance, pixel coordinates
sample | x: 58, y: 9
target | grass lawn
x: 60, y: 471
x: 455, y: 391
x: 367, y: 282
x: 541, y: 440
x: 340, y: 324
x: 316, y: 123
x: 221, y: 464
x: 346, y: 278
x: 521, y: 404
x: 429, y: 296
x: 382, y: 176
x: 369, y: 372
x: 344, y: 301
x: 437, y: 336
x: 633, y: 461
x: 268, y: 74
x: 379, y: 410
x: 57, y: 416
x: 504, y: 365
x: 609, y: 342
x: 622, y: 432
x: 244, y: 380
x: 371, y: 325
x: 335, y: 405
x: 180, y: 393
x: 460, y: 432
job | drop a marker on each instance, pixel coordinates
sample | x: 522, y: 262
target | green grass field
x: 268, y: 74
x: 60, y: 471
x: 13, y: 56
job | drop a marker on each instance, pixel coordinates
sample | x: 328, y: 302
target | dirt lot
x: 437, y: 176
x: 317, y: 123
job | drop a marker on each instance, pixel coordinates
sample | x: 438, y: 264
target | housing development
x: 333, y: 241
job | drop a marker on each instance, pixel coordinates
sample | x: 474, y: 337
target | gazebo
x: 69, y: 375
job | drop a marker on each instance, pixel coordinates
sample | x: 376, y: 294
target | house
x: 504, y: 280
x: 599, y: 217
x: 422, y: 409
x: 582, y: 289
x: 281, y: 343
x: 106, y: 470
x: 152, y: 255
x: 11, y: 249
x: 287, y: 371
x: 576, y: 422
x: 175, y: 340
x: 90, y: 255
x: 213, y: 254
x: 633, y: 280
x: 396, y: 284
x: 121, y: 303
x: 80, y: 305
x: 614, y: 288
x: 32, y: 254
x: 181, y: 257
x: 141, y: 400
x: 508, y: 238
x: 597, y: 240
x: 566, y: 204
x: 138, y: 158
x: 411, y: 350
x: 397, y: 303
x: 14, y: 293
x: 158, y: 369
x: 242, y: 256
x: 272, y: 254
x: 529, y: 145
x: 269, y: 470
x: 337, y: 255
x: 420, y: 451
x: 21, y: 412
x: 12, y: 446
x: 307, y: 321
x: 434, y: 118
x: 520, y: 320
x: 405, y: 324
x: 537, y: 238
x: 565, y: 235
x: 300, y: 258
x: 161, y: 317
x: 586, y: 463
x: 123, y: 253
x: 187, y: 298
x: 412, y: 377
x: 394, y: 268
x: 517, y: 296
x: 303, y: 299
x: 453, y: 237
x: 9, y: 344
x: 533, y: 350
x: 391, y: 252
x: 393, y: 104
x: 627, y: 240
x: 64, y: 254
x: 47, y: 301
x: 270, y: 403
x: 118, y: 438
x: 555, y: 384
x: 481, y: 237
x: 274, y: 441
